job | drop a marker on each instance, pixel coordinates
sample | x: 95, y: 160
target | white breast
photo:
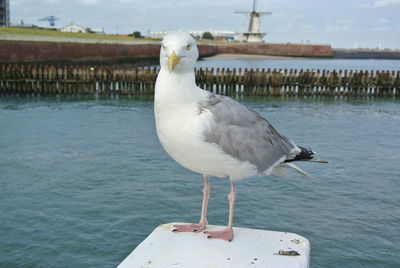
x: 180, y: 127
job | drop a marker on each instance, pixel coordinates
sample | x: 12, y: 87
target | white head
x: 178, y: 53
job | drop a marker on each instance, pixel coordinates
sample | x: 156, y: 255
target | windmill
x: 254, y: 34
x: 50, y: 19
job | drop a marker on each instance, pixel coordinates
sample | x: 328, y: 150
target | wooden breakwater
x: 106, y: 80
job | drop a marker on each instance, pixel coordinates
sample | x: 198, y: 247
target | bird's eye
x: 188, y: 47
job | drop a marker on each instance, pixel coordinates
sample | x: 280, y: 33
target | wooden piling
x: 105, y: 80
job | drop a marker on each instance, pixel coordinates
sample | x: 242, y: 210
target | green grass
x: 54, y: 33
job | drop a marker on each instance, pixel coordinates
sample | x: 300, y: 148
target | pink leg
x: 226, y: 234
x: 203, y: 217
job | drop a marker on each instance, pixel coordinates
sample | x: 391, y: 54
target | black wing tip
x: 304, y: 155
x: 307, y: 153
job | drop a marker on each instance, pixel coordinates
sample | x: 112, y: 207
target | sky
x: 340, y: 23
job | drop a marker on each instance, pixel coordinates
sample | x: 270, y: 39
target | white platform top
x: 249, y: 248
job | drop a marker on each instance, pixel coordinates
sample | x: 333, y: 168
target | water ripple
x: 83, y: 181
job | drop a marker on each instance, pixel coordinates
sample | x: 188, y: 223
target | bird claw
x: 189, y: 228
x: 226, y: 234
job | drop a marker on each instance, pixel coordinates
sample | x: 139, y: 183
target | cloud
x: 382, y: 21
x: 380, y: 29
x: 29, y: 2
x: 300, y: 17
x: 89, y: 2
x: 344, y: 21
x: 307, y: 27
x: 385, y: 3
x: 337, y: 28
x: 287, y: 28
x: 381, y: 3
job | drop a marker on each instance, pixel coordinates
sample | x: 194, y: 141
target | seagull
x: 214, y: 135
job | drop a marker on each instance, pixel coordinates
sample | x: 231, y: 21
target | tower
x: 4, y: 13
x: 254, y: 34
x: 50, y: 19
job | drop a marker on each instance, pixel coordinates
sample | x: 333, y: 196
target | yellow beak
x: 173, y: 60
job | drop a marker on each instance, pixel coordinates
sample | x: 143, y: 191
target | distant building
x: 97, y: 31
x: 4, y: 13
x: 228, y: 36
x: 73, y: 28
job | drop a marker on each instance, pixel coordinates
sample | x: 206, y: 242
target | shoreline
x: 230, y: 56
x: 337, y: 56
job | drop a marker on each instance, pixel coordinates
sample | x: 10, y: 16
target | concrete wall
x: 28, y: 51
x: 51, y: 51
x: 278, y: 49
x: 16, y: 51
x: 357, y: 54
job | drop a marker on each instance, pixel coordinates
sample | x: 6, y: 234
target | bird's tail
x: 305, y: 155
x: 281, y: 170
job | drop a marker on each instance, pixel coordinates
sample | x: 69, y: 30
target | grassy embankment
x: 54, y: 33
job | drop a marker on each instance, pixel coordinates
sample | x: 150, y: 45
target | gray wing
x: 244, y: 134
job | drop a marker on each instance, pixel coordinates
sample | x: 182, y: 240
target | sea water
x: 83, y: 180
